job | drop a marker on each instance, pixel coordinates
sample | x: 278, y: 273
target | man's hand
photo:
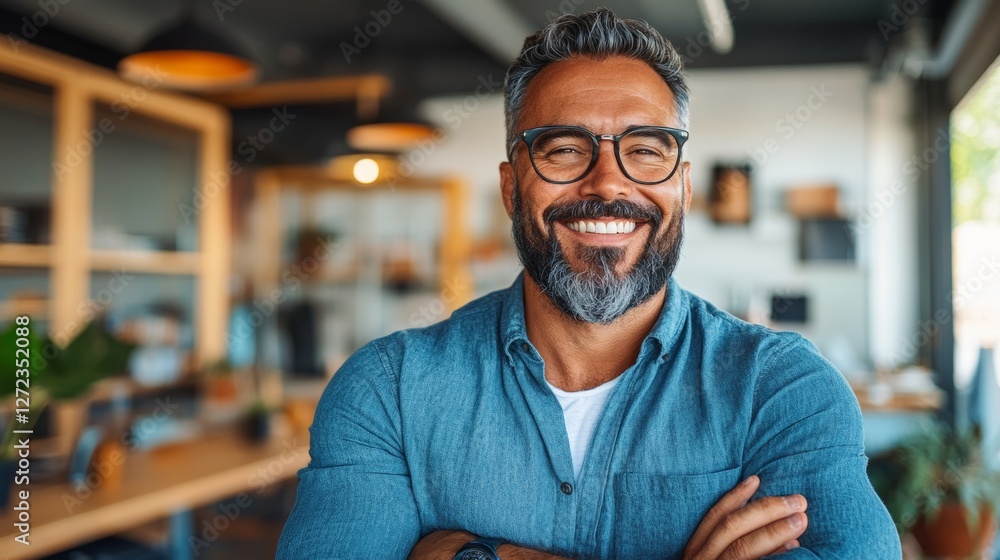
x: 737, y: 530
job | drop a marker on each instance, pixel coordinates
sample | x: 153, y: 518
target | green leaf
x: 91, y: 356
x: 933, y: 467
x: 8, y: 363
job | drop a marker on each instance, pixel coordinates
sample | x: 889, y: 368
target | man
x: 594, y: 409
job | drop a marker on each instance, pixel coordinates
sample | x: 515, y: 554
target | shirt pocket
x: 656, y: 514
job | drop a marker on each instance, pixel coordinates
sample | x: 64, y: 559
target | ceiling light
x: 366, y: 171
x: 192, y: 56
x: 363, y: 168
x: 389, y: 136
x: 394, y: 130
x: 718, y: 23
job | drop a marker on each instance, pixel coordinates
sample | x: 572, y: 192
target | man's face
x: 595, y: 277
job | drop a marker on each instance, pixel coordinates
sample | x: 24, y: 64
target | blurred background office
x: 207, y: 205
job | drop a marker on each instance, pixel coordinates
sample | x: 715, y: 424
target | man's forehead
x: 581, y: 90
x: 605, y: 69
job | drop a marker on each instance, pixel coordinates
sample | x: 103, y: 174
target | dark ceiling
x: 442, y: 47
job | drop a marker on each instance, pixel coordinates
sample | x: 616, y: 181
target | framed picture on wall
x: 730, y: 195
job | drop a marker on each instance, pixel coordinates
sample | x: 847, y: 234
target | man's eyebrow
x: 627, y: 126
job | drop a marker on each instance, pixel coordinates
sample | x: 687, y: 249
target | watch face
x: 474, y: 555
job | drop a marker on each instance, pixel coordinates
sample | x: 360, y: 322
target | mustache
x: 593, y: 209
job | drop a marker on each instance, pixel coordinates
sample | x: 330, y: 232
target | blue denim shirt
x: 452, y: 426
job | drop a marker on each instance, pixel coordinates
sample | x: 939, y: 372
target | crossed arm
x: 355, y: 499
x: 734, y: 529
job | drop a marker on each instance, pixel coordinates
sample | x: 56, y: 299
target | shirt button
x: 566, y: 488
x: 525, y: 346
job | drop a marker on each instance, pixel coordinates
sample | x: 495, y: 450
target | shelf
x: 900, y: 402
x: 153, y: 262
x: 186, y: 136
x: 19, y: 254
x: 37, y: 309
x: 150, y: 262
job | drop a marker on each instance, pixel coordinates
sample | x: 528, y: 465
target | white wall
x: 796, y: 126
x: 853, y: 135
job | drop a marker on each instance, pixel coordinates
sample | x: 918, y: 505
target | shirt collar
x: 665, y: 332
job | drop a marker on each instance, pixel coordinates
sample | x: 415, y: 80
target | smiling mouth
x: 603, y: 227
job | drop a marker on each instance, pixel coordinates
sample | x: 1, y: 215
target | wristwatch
x: 479, y: 549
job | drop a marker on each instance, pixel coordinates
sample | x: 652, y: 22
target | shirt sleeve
x: 354, y: 499
x: 806, y: 437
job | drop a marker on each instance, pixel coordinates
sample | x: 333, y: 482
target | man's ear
x: 687, y: 185
x: 507, y: 186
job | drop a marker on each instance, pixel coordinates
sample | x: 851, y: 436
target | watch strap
x: 483, y: 545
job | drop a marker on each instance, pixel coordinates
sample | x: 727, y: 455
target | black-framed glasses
x: 565, y: 154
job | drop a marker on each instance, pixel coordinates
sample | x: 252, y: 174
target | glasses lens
x: 649, y: 155
x: 562, y: 154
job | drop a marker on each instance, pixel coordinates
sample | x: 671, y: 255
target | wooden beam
x: 24, y: 255
x: 298, y: 92
x: 267, y: 233
x: 149, y: 97
x: 456, y: 287
x: 72, y: 182
x: 145, y: 262
x: 214, y: 238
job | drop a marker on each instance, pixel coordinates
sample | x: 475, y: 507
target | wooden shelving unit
x: 363, y: 269
x: 453, y: 248
x: 79, y: 89
x: 146, y: 262
x: 15, y: 254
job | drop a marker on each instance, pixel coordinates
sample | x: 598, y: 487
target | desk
x: 166, y: 482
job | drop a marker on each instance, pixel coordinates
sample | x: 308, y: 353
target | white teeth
x: 606, y: 228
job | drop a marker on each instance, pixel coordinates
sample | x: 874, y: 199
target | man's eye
x: 566, y: 150
x: 644, y: 152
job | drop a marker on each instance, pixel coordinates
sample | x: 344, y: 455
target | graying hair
x: 600, y: 34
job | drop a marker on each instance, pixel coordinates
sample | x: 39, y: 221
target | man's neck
x: 580, y: 355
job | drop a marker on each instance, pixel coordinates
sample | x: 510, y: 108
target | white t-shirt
x: 581, y: 409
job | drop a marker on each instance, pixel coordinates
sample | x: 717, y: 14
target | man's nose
x: 606, y: 180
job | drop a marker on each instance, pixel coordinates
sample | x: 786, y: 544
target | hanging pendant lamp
x: 390, y: 124
x: 190, y: 55
x: 393, y: 131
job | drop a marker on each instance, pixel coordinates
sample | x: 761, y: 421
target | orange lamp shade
x: 192, y: 56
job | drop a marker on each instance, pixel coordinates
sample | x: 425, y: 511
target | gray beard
x: 598, y: 294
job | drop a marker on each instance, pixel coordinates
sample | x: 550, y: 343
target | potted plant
x: 220, y: 382
x: 937, y: 486
x: 257, y: 422
x: 56, y: 374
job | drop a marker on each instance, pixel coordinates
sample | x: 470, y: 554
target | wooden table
x: 166, y: 482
